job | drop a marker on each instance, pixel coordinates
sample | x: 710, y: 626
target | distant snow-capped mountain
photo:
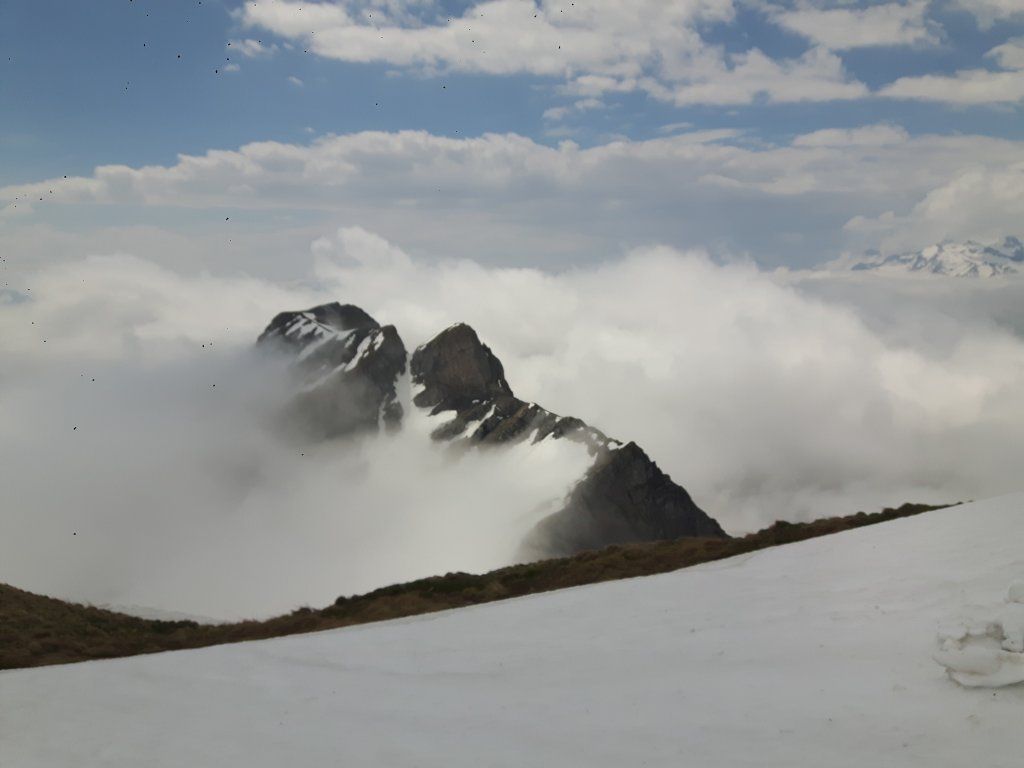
x: 966, y: 259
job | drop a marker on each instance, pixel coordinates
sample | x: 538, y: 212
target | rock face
x: 456, y: 370
x: 458, y: 373
x: 347, y: 367
x: 623, y: 498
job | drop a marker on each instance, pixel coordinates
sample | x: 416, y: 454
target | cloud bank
x: 658, y: 47
x: 766, y: 395
x: 514, y: 200
x: 595, y: 48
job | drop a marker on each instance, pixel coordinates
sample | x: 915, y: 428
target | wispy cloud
x: 252, y: 48
x: 970, y: 87
x: 890, y: 24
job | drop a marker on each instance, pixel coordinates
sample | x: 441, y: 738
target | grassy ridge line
x: 37, y: 630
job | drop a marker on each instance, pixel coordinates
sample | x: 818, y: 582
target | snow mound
x: 984, y: 647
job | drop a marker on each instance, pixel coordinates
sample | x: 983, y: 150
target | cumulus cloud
x: 766, y: 395
x: 252, y: 48
x: 495, y: 37
x: 596, y: 48
x: 881, y: 135
x: 969, y: 86
x: 817, y: 75
x: 518, y: 200
x: 838, y: 29
x: 988, y: 12
x: 143, y: 467
x: 979, y: 204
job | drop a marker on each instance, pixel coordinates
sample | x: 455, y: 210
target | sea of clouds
x: 140, y: 465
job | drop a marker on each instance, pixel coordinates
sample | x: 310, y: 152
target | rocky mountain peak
x: 456, y: 369
x: 346, y: 365
x: 300, y: 328
x: 968, y: 259
x: 625, y: 497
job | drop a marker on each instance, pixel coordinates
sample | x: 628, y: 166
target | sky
x: 228, y: 136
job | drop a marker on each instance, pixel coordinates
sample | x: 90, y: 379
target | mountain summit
x: 966, y: 259
x: 348, y: 367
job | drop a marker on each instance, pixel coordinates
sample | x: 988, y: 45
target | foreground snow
x: 813, y: 654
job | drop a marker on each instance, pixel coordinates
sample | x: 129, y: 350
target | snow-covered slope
x: 967, y: 259
x: 813, y: 654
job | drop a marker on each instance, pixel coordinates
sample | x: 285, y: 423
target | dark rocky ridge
x: 349, y: 365
x: 623, y: 498
x: 458, y: 373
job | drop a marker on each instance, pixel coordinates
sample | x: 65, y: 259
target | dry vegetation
x: 37, y: 630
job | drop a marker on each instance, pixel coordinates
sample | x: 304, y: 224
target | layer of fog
x: 767, y: 396
x: 170, y: 486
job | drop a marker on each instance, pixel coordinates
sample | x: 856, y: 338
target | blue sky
x: 101, y: 83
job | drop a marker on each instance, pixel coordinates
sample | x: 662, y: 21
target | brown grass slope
x: 37, y: 630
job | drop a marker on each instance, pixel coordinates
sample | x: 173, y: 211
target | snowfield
x: 813, y: 654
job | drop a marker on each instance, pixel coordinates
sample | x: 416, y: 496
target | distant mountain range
x: 950, y: 259
x: 348, y: 368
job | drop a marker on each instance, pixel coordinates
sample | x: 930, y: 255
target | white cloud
x: 506, y: 197
x: 1009, y: 55
x: 296, y: 81
x: 967, y: 87
x: 496, y: 37
x: 252, y: 48
x: 867, y: 136
x: 817, y: 75
x: 971, y: 86
x: 595, y: 47
x: 762, y: 400
x: 988, y: 12
x: 670, y: 128
x: 890, y: 24
x: 979, y: 204
x: 232, y: 67
x: 555, y: 114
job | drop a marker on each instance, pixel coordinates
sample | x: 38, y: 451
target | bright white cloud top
x: 597, y: 48
x: 766, y: 395
x: 658, y: 47
x: 506, y: 197
x: 815, y: 653
x: 841, y: 28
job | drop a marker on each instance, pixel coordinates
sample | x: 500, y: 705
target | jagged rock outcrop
x: 347, y: 365
x: 623, y: 498
x: 457, y: 373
